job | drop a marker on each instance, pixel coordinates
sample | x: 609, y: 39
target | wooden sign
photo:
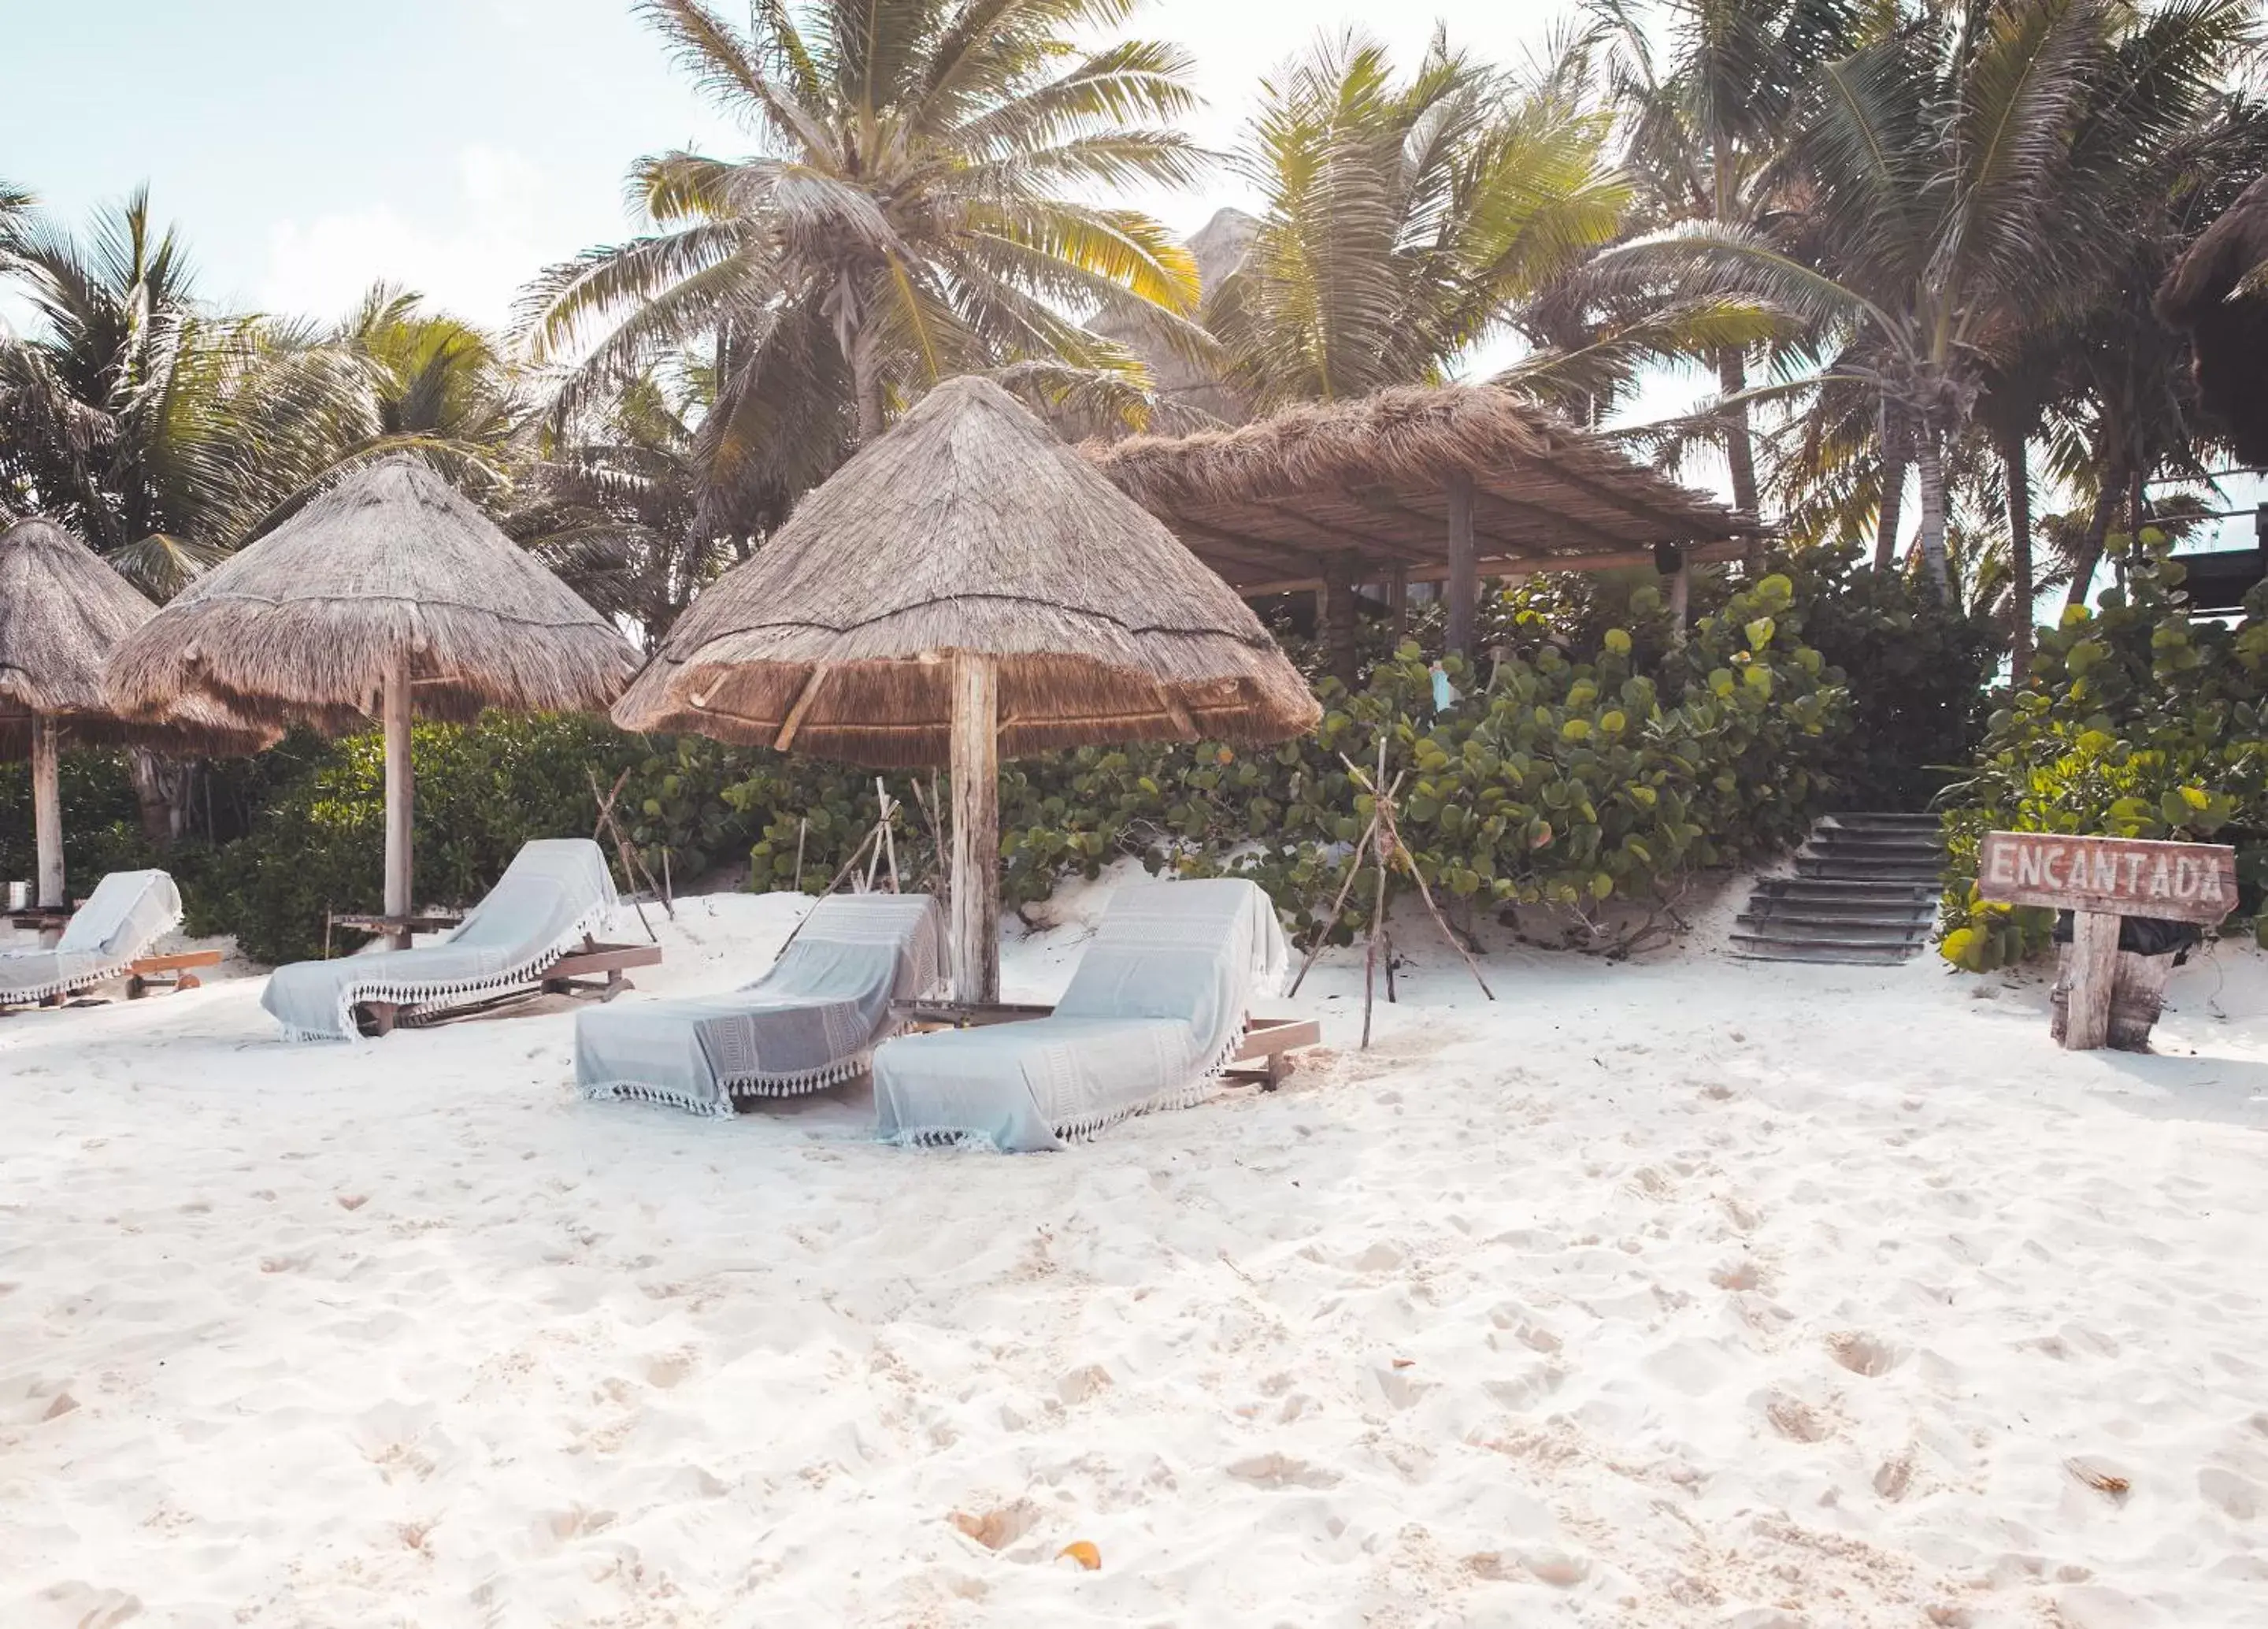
x: 2099, y: 881
x: 2124, y: 876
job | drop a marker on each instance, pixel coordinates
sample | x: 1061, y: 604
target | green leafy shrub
x: 2138, y: 723
x: 317, y: 845
x: 102, y: 822
x: 1917, y: 668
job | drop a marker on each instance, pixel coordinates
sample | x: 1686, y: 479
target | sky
x: 308, y: 147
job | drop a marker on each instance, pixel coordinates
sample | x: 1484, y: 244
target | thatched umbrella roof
x: 2229, y: 329
x: 63, y: 612
x: 1269, y: 504
x: 968, y: 528
x: 391, y: 564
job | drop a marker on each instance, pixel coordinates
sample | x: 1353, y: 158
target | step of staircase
x: 1864, y: 894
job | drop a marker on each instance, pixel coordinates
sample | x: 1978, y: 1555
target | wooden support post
x: 2093, y: 972
x: 1464, y: 573
x: 48, y: 810
x: 1397, y: 601
x: 399, y: 792
x: 1681, y: 596
x: 976, y: 828
x: 1338, y: 623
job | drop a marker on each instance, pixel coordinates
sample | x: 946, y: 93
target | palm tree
x: 1404, y: 218
x: 903, y: 217
x: 618, y: 503
x: 438, y: 382
x: 160, y: 432
x: 1960, y: 195
x: 1709, y: 127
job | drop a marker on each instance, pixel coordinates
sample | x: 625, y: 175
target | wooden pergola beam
x: 1366, y: 543
x: 1551, y: 517
x: 1201, y: 539
x: 1528, y: 565
x: 1386, y: 501
x: 1676, y: 526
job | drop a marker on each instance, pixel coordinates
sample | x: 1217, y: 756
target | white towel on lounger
x: 556, y: 890
x: 1155, y: 1012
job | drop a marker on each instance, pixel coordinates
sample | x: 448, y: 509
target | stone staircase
x: 1865, y: 892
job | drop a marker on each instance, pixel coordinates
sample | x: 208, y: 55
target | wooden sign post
x: 2100, y: 880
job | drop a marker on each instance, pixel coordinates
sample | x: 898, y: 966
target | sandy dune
x: 1689, y: 1293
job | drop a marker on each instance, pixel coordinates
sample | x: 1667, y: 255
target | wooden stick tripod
x: 1382, y: 840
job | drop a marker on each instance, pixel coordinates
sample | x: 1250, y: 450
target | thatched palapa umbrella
x: 966, y: 589
x: 63, y: 612
x: 388, y: 595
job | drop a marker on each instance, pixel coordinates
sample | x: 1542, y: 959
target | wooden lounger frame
x: 140, y: 975
x: 1263, y: 1060
x: 574, y: 974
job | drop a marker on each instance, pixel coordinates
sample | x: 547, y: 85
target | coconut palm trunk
x: 1740, y: 444
x: 2015, y: 456
x: 1892, y: 509
x: 1929, y: 465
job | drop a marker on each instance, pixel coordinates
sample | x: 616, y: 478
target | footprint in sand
x: 1282, y: 1471
x: 1864, y: 1354
x: 1797, y: 1420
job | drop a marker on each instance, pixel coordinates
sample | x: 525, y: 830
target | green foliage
x: 1917, y: 666
x: 102, y: 826
x: 2138, y: 723
x: 1552, y: 782
x: 317, y: 845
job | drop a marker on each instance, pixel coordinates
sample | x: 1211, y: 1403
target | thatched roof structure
x: 968, y: 528
x: 2229, y: 329
x: 393, y: 562
x: 63, y: 612
x: 1272, y: 505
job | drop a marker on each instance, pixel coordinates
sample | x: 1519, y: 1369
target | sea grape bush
x: 2137, y: 722
x: 1552, y: 781
x: 1571, y: 782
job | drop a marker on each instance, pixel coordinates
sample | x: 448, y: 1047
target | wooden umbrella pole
x: 47, y: 810
x: 399, y: 792
x: 976, y: 828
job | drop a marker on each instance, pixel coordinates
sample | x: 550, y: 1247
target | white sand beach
x: 1681, y: 1293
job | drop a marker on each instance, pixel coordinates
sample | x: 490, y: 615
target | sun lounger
x: 535, y: 928
x: 108, y: 938
x: 1156, y: 1013
x: 807, y: 1024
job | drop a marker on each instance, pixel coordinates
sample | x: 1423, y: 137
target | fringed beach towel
x: 1156, y: 1010
x: 128, y: 912
x: 807, y: 1024
x: 555, y: 891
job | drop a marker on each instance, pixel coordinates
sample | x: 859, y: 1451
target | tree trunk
x: 1464, y: 571
x: 866, y: 384
x: 2090, y: 552
x: 400, y: 795
x: 1930, y: 543
x: 150, y: 800
x: 1740, y: 448
x: 1338, y: 619
x: 2014, y: 463
x: 47, y: 811
x: 975, y: 747
x: 1893, y: 510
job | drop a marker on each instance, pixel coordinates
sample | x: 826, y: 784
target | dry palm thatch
x: 1267, y: 504
x: 63, y: 612
x: 2217, y: 292
x: 969, y: 528
x: 391, y: 565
